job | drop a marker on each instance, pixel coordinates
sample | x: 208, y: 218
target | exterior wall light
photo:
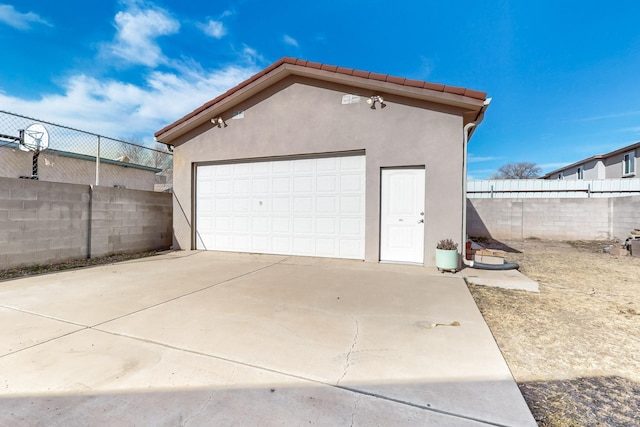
x: 376, y: 98
x: 219, y: 121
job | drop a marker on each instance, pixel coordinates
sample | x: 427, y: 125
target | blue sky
x: 563, y: 75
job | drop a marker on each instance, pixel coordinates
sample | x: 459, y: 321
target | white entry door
x: 402, y: 215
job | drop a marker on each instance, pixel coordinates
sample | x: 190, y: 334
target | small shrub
x: 447, y: 245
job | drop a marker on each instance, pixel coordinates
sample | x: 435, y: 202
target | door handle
x: 421, y: 221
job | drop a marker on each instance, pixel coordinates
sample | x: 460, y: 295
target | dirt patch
x: 33, y: 270
x: 574, y: 348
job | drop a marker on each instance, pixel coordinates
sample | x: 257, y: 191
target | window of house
x: 560, y: 176
x: 580, y: 172
x: 628, y: 164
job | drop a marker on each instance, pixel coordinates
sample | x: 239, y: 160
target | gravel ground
x: 574, y: 348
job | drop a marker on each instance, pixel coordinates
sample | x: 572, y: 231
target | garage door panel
x: 282, y: 185
x: 281, y: 225
x: 260, y: 186
x: 309, y: 207
x: 326, y: 226
x: 222, y: 205
x: 351, y: 204
x: 260, y: 224
x: 282, y: 244
x: 351, y: 183
x: 326, y: 205
x: 326, y: 184
x: 303, y: 226
x: 303, y: 184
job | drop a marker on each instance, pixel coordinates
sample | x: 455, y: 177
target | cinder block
x: 22, y: 215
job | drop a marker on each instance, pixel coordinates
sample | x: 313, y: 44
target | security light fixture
x: 219, y: 121
x: 376, y: 98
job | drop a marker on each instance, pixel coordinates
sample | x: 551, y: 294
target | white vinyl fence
x: 541, y: 188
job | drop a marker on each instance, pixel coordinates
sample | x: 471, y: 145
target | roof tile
x: 454, y: 89
x: 360, y: 73
x: 326, y: 67
x: 475, y: 94
x: 396, y: 80
x: 378, y: 76
x: 316, y: 65
x: 434, y: 86
x: 343, y: 70
x: 414, y: 83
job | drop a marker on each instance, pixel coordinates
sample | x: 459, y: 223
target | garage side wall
x: 298, y: 116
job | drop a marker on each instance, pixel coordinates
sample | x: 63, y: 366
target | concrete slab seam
x: 42, y: 342
x: 298, y: 377
x: 187, y: 294
x: 20, y: 310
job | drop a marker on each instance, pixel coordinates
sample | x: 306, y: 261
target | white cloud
x: 21, y: 21
x: 137, y: 31
x: 215, y: 29
x: 290, y: 40
x: 118, y: 109
x: 474, y: 159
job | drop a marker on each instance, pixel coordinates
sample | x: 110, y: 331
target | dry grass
x: 574, y: 348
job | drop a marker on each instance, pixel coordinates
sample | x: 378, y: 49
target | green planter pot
x: 447, y: 259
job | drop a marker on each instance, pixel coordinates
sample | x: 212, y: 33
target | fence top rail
x: 75, y: 129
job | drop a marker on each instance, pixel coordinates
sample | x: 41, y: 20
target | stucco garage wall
x: 571, y: 219
x: 296, y: 116
x: 48, y: 222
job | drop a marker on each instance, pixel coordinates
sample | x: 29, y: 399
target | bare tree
x: 521, y: 170
x: 160, y: 157
x: 133, y: 150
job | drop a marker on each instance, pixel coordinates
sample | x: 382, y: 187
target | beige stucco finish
x: 302, y: 116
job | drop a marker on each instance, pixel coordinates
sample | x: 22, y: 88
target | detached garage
x: 315, y: 160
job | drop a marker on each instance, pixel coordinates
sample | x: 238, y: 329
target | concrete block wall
x: 48, y: 222
x: 42, y: 222
x: 566, y: 219
x: 626, y: 215
x: 130, y: 221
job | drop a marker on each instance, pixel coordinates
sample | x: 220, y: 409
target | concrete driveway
x: 206, y: 338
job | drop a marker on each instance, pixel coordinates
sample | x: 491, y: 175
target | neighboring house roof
x: 596, y: 157
x: 450, y: 95
x: 87, y: 157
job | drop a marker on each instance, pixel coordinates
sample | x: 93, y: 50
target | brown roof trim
x: 330, y: 68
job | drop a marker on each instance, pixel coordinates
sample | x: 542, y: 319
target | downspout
x: 466, y: 133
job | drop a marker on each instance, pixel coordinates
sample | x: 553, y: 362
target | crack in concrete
x: 353, y: 345
x: 355, y: 410
x: 204, y: 408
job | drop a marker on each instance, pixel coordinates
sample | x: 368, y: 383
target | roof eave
x: 225, y: 102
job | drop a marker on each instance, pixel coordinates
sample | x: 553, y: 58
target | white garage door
x: 309, y: 207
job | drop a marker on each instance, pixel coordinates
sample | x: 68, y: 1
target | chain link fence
x: 35, y: 149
